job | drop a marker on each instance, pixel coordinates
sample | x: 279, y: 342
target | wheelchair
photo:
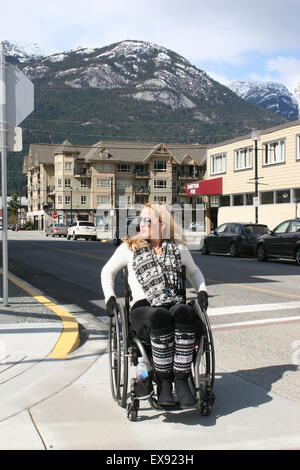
x: 125, y: 348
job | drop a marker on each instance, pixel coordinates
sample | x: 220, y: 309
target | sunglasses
x: 146, y: 221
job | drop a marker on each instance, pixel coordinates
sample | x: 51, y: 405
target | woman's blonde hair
x: 171, y: 231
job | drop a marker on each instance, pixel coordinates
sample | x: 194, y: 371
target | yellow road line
x: 268, y: 291
x: 69, y: 339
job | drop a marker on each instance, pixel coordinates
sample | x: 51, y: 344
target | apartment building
x: 73, y: 181
x: 269, y: 163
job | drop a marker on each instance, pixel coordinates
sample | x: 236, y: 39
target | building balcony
x: 82, y: 173
x: 51, y: 189
x: 142, y: 174
x: 141, y: 189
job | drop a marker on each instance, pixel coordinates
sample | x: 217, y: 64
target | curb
x: 69, y: 338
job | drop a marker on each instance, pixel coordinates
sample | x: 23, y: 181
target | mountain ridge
x: 131, y: 90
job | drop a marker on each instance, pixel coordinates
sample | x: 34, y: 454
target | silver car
x: 59, y: 230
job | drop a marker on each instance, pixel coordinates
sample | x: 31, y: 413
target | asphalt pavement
x: 55, y: 392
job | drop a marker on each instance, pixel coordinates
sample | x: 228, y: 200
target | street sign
x: 19, y: 96
x: 256, y: 201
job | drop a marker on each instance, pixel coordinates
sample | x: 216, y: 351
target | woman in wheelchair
x: 158, y: 315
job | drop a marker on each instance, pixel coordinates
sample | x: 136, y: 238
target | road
x: 254, y: 310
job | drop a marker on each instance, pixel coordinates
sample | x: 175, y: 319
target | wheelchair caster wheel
x: 205, y: 410
x: 132, y: 410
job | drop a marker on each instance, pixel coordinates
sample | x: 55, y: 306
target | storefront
x: 213, y: 191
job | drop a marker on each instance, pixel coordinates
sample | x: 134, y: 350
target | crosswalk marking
x: 229, y: 310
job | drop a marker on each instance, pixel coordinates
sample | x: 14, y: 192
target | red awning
x: 207, y: 187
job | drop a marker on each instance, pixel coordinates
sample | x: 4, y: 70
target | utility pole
x: 16, y: 102
x: 255, y: 135
x: 3, y: 128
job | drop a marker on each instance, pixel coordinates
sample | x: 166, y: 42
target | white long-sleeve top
x: 123, y: 256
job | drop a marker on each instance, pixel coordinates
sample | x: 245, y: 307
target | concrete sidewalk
x: 50, y: 402
x: 36, y: 340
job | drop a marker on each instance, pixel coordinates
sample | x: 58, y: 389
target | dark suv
x: 282, y: 242
x: 234, y: 238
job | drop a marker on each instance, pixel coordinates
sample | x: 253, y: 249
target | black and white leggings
x: 171, y: 332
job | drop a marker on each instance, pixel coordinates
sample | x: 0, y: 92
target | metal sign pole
x: 3, y: 127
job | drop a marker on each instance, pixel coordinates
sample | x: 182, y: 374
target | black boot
x: 164, y: 391
x: 183, y: 391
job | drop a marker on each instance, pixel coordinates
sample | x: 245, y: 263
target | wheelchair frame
x: 123, y: 346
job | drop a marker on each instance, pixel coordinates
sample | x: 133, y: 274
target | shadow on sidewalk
x: 234, y: 391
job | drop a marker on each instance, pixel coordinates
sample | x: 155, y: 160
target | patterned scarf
x: 160, y: 275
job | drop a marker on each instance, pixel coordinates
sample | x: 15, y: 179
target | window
x: 68, y: 166
x: 283, y: 196
x: 160, y: 166
x: 294, y: 227
x: 297, y: 147
x: 67, y: 183
x: 224, y: 201
x: 297, y: 195
x: 238, y: 200
x: 67, y: 199
x: 83, y: 200
x: 218, y: 164
x: 243, y: 158
x: 58, y: 166
x: 59, y: 199
x: 103, y: 183
x: 123, y: 184
x: 103, y: 167
x: 249, y: 199
x: 103, y: 199
x: 160, y: 184
x: 122, y: 167
x: 222, y: 228
x: 282, y: 227
x: 160, y: 198
x: 267, y: 197
x: 83, y: 183
x: 59, y: 183
x: 273, y: 152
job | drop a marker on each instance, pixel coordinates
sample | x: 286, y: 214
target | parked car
x: 129, y: 228
x: 282, y: 242
x: 82, y: 229
x: 19, y: 227
x: 10, y: 226
x: 234, y: 238
x: 59, y: 230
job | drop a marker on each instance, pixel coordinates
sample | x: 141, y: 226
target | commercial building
x: 254, y: 178
x: 73, y: 181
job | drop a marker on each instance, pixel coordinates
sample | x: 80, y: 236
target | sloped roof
x: 138, y: 152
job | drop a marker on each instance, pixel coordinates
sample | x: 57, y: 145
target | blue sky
x: 228, y: 39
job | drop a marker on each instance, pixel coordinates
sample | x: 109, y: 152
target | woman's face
x: 150, y: 227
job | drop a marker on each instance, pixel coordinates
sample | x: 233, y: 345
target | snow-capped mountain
x: 22, y: 53
x: 127, y: 90
x: 274, y: 97
x: 156, y: 73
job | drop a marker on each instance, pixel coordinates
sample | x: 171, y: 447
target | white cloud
x: 287, y: 69
x: 224, y: 32
x: 197, y: 29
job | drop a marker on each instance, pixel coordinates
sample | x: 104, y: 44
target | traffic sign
x: 54, y: 215
x: 19, y: 96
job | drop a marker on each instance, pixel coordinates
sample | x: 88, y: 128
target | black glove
x: 111, y: 306
x: 202, y: 298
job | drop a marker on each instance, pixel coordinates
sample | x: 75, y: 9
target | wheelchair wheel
x: 118, y: 357
x: 203, y: 368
